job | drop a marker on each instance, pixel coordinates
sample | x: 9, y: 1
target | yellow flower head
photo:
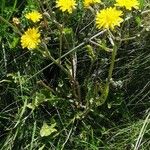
x: 128, y: 4
x: 87, y: 3
x: 31, y: 38
x: 108, y: 18
x: 66, y: 5
x: 35, y: 16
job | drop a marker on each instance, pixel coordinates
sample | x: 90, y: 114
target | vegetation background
x: 41, y: 109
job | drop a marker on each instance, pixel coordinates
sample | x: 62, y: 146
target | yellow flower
x: 108, y: 18
x: 87, y: 3
x: 128, y: 4
x: 66, y: 5
x: 35, y: 16
x: 31, y: 38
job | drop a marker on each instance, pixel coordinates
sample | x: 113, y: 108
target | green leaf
x: 47, y: 130
x: 14, y: 43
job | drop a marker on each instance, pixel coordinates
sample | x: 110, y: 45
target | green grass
x: 45, y: 107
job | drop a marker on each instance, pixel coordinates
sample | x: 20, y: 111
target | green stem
x: 60, y: 44
x: 112, y: 63
x: 105, y: 93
